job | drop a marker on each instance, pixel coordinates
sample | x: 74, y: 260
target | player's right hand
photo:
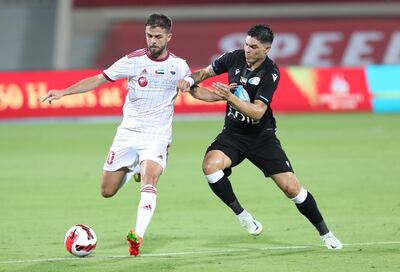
x: 52, y: 95
x: 183, y: 86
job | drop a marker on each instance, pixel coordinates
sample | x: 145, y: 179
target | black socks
x: 310, y: 210
x: 223, y: 189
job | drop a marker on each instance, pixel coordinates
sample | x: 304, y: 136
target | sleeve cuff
x: 263, y: 99
x: 107, y: 77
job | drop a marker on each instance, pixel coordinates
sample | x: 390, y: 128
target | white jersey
x: 149, y: 103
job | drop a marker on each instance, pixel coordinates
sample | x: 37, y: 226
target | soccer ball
x: 241, y: 93
x: 80, y: 240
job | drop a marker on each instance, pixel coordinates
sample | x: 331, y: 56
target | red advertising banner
x: 300, y: 90
x: 304, y: 42
x: 322, y: 90
x: 21, y: 94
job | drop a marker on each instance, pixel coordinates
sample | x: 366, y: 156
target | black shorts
x: 263, y: 150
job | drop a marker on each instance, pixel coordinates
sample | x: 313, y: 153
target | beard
x: 155, y: 52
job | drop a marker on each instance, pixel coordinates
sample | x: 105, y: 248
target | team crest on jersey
x: 172, y: 72
x: 254, y: 80
x: 142, y: 81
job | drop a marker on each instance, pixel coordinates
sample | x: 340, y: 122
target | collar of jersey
x: 153, y: 59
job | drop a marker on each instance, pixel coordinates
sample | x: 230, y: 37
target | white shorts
x: 128, y: 151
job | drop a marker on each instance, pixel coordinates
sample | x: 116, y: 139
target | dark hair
x: 159, y: 20
x: 262, y: 33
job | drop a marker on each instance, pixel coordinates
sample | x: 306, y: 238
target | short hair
x: 262, y: 33
x: 159, y: 20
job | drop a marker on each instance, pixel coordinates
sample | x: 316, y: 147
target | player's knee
x: 210, y: 167
x: 149, y: 178
x: 106, y: 192
x: 292, y: 188
x: 288, y: 183
x: 291, y: 192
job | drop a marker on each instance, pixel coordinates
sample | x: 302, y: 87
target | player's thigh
x: 153, y: 158
x: 123, y: 153
x: 155, y: 151
x: 111, y: 181
x: 150, y: 172
x: 267, y: 154
x: 122, y: 158
x: 215, y: 160
x: 225, y: 152
x: 288, y: 183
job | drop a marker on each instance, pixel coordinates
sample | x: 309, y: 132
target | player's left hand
x: 223, y: 90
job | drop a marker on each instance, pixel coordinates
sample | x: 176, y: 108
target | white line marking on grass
x: 217, y: 251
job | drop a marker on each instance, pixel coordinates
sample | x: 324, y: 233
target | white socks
x: 301, y: 196
x: 146, y: 207
x: 214, y: 177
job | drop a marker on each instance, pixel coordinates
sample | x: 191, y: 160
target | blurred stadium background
x: 65, y: 34
x: 333, y: 54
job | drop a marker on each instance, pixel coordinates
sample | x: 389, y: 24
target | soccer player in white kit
x: 142, y: 139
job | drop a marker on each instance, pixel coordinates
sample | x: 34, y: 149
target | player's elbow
x: 194, y: 92
x: 257, y: 115
x: 258, y: 112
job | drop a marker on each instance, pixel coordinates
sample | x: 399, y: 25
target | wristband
x: 190, y: 80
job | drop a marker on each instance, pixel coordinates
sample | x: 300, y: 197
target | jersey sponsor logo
x: 143, y: 81
x: 255, y: 81
x: 274, y: 77
x: 235, y: 114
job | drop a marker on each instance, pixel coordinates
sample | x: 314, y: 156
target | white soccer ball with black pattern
x: 80, y: 240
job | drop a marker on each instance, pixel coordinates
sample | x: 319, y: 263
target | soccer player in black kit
x: 249, y: 130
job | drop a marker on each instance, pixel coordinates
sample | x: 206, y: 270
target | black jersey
x: 259, y: 84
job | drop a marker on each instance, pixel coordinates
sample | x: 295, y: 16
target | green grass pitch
x: 50, y: 177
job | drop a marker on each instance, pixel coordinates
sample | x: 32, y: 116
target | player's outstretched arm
x: 204, y: 94
x: 82, y: 86
x: 195, y: 78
